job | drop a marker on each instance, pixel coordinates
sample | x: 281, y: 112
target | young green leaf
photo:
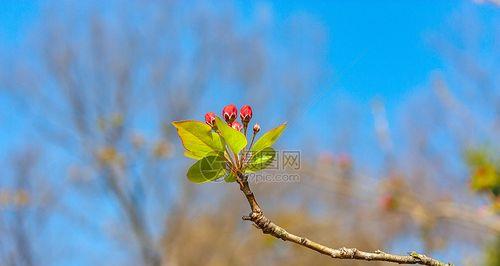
x: 195, y: 156
x: 198, y: 139
x: 268, y: 139
x: 233, y: 138
x: 260, y: 160
x: 207, y: 169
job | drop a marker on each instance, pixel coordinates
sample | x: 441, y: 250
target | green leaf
x: 207, y: 169
x: 198, y: 139
x: 193, y: 155
x: 260, y: 160
x: 485, y: 177
x: 234, y: 139
x: 230, y: 177
x: 268, y: 139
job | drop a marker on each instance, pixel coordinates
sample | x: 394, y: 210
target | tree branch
x: 268, y: 227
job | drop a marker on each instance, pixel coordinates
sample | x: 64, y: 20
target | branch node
x: 416, y: 255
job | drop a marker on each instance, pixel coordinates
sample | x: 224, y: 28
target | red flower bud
x: 256, y: 128
x: 210, y: 119
x: 246, y: 114
x: 236, y: 125
x: 229, y: 113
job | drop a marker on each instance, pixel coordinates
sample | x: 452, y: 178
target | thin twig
x: 268, y: 227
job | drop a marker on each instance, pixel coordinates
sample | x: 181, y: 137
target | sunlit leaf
x: 233, y: 138
x: 268, y: 139
x: 485, y: 178
x: 192, y: 155
x: 207, y: 169
x: 260, y: 160
x: 198, y: 139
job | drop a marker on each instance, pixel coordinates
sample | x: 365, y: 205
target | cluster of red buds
x: 230, y: 113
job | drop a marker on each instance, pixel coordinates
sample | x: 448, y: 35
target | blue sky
x: 377, y: 50
x: 377, y: 47
x: 374, y: 49
x: 15, y: 15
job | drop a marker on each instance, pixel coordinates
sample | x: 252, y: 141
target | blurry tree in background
x: 470, y: 93
x: 25, y: 197
x: 100, y: 84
